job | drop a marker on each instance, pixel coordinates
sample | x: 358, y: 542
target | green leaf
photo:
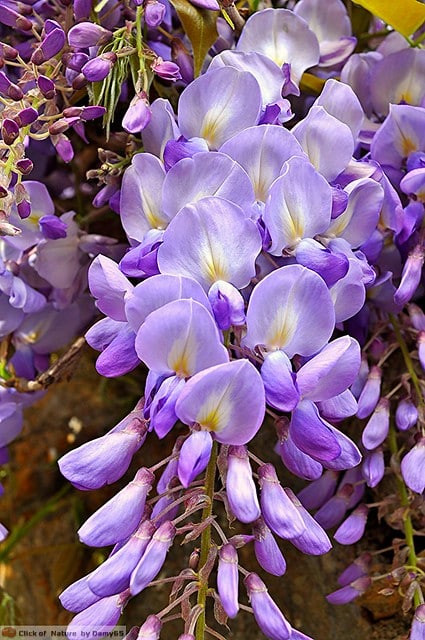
x: 200, y: 27
x: 405, y: 16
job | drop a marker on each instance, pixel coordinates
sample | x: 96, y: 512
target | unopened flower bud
x: 47, y: 87
x: 98, y: 68
x: 370, y: 394
x: 88, y: 34
x: 377, y: 427
x: 413, y: 467
x: 417, y: 631
x: 267, y: 552
x: 52, y: 43
x: 154, y: 13
x: 352, y: 529
x: 166, y: 70
x: 52, y: 227
x: 240, y: 487
x: 410, y: 276
x: 24, y: 166
x: 153, y: 558
x: 150, y: 629
x: 26, y: 116
x: 12, y: 18
x: 349, y: 592
x: 266, y: 612
x: 9, y: 131
x: 121, y: 515
x: 7, y: 52
x: 138, y: 114
x: 406, y: 415
x: 277, y: 509
x: 373, y: 467
x: 228, y: 579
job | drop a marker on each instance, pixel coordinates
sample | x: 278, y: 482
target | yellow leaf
x: 405, y: 16
x: 200, y: 27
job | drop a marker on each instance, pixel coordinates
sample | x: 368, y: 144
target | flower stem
x: 206, y: 540
x: 407, y: 520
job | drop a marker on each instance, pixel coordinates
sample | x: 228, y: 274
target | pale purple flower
x: 371, y: 391
x: 138, y: 114
x: 266, y: 549
x: 228, y: 579
x: 98, y: 619
x: 413, y: 467
x: 418, y: 625
x: 153, y: 558
x: 350, y: 591
x: 352, y: 529
x: 277, y: 509
x: 267, y: 615
x: 240, y: 487
x: 377, y: 427
x: 194, y: 456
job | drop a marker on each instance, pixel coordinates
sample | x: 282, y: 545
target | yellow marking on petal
x: 215, y: 414
x: 210, y: 126
x: 407, y: 145
x: 280, y: 330
x: 182, y: 356
x: 214, y: 267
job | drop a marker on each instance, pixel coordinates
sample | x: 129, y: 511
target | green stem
x: 407, y: 520
x: 206, y: 540
x: 407, y: 359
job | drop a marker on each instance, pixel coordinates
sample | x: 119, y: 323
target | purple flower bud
x: 25, y: 166
x: 166, y: 70
x: 227, y: 304
x: 176, y: 150
x: 277, y: 509
x: 183, y: 59
x: 64, y: 148
x: 352, y: 529
x: 410, y: 276
x: 413, y: 467
x: 360, y: 567
x: 228, y: 579
x: 47, y: 87
x: 266, y: 549
x: 98, y: 619
x: 91, y: 113
x: 373, y: 467
x: 154, y: 13
x: 316, y: 493
x: 113, y: 576
x: 7, y: 52
x: 98, y: 68
x: 120, y: 516
x: 52, y: 227
x: 150, y: 629
x: 104, y: 460
x: 9, y: 131
x: 75, y: 61
x: 3, y: 532
x: 138, y: 114
x: 53, y: 42
x: 153, y: 558
x: 24, y: 209
x: 406, y: 415
x: 370, y: 393
x: 417, y: 316
x: 314, y: 540
x: 333, y: 511
x: 82, y: 9
x: 8, y: 89
x: 377, y: 427
x: 240, y: 487
x: 417, y: 631
x: 12, y: 18
x: 88, y: 34
x: 350, y: 591
x: 266, y: 613
x: 26, y: 116
x: 194, y: 456
x: 78, y: 596
x: 165, y: 507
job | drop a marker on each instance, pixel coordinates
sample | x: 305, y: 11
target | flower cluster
x: 275, y: 251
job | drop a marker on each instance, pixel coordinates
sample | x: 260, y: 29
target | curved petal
x: 211, y: 240
x: 288, y: 213
x: 283, y: 37
x: 262, y: 151
x: 341, y: 102
x: 206, y: 174
x: 109, y: 286
x: 328, y: 142
x: 282, y: 312
x: 227, y: 399
x: 219, y: 104
x: 140, y: 204
x: 180, y: 337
